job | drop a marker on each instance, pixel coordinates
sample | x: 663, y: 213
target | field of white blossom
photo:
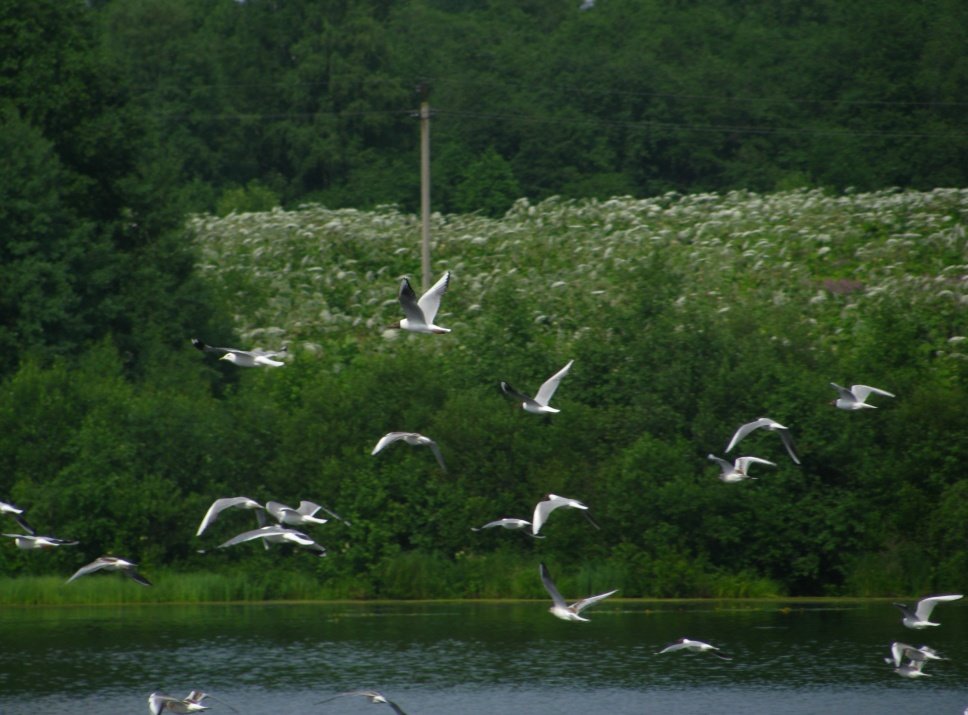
x: 297, y: 276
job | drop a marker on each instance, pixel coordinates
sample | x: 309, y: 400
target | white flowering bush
x: 300, y: 276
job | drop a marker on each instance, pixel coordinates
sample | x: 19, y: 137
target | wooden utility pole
x: 423, y: 91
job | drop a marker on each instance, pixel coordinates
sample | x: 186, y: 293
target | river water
x: 823, y: 658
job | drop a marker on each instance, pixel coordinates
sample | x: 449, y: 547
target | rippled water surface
x: 479, y: 658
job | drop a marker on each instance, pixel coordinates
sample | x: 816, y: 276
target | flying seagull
x: 421, y: 313
x: 28, y: 542
x: 694, y: 647
x: 244, y: 358
x: 220, y: 505
x: 919, y: 617
x: 414, y: 439
x: 112, y: 563
x: 856, y: 397
x: 551, y: 502
x: 560, y: 608
x: 374, y: 696
x: 17, y: 514
x: 277, y: 535
x: 303, y: 515
x: 765, y: 423
x: 737, y: 471
x: 513, y: 524
x: 912, y: 669
x: 158, y: 703
x: 539, y: 403
x: 900, y: 651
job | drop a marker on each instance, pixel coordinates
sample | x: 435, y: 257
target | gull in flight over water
x: 374, y: 696
x: 112, y: 563
x: 856, y: 397
x: 244, y: 358
x: 561, y: 608
x: 539, y: 403
x: 900, y: 651
x: 414, y: 439
x: 693, y: 647
x: 277, y: 535
x: 220, y: 505
x: 737, y: 471
x: 28, y: 542
x: 765, y: 423
x: 921, y: 615
x: 421, y: 313
x: 912, y: 669
x: 508, y: 523
x: 17, y: 514
x: 551, y: 502
x: 192, y: 703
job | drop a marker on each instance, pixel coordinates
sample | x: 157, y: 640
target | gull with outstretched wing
x: 539, y: 403
x: 561, y: 608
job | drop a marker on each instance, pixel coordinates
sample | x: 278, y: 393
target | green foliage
x: 635, y: 97
x: 254, y: 196
x: 685, y: 315
x: 487, y: 185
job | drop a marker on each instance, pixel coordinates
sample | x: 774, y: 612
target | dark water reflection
x: 476, y: 658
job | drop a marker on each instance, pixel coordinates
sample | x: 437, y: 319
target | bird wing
x: 541, y: 511
x: 137, y: 577
x: 488, y: 525
x: 429, y: 302
x: 387, y: 439
x: 746, y: 429
x: 672, y: 647
x: 863, y: 391
x: 725, y: 466
x: 548, y: 387
x: 334, y: 514
x: 926, y: 605
x: 255, y: 534
x: 308, y: 508
x: 409, y: 303
x: 440, y: 457
x: 517, y: 394
x: 906, y: 612
x: 744, y: 462
x: 62, y: 542
x: 277, y: 509
x: 844, y: 393
x: 218, y: 506
x: 261, y: 352
x: 157, y: 702
x: 96, y: 565
x: 24, y: 525
x: 788, y: 443
x: 584, y: 603
x: 205, y: 348
x: 550, y: 587
x: 396, y: 708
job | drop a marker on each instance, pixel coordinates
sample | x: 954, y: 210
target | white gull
x: 561, y: 608
x: 539, y: 403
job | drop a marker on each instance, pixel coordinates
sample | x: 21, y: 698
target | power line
x: 598, y: 91
x: 709, y: 128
